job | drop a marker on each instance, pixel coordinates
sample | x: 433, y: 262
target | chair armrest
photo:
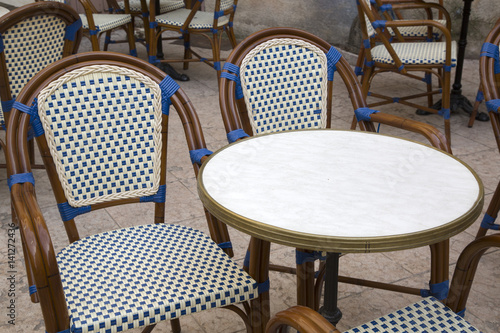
x: 432, y: 134
x: 423, y: 5
x: 301, y: 318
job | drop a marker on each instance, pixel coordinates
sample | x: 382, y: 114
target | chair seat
x: 201, y: 20
x: 122, y: 279
x: 416, y: 31
x: 416, y: 53
x: 165, y: 5
x: 105, y: 22
x: 427, y: 315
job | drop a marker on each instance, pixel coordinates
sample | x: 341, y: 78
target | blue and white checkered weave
x: 165, y: 5
x: 416, y: 53
x: 103, y: 128
x: 426, y: 316
x: 105, y: 22
x: 284, y: 83
x: 138, y: 276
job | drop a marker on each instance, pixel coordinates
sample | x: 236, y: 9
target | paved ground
x: 476, y: 146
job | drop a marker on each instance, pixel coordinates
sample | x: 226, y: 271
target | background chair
x: 33, y: 36
x: 429, y: 314
x: 281, y: 79
x: 489, y: 68
x: 194, y: 21
x: 435, y: 58
x: 101, y: 154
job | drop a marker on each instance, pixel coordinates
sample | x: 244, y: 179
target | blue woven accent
x: 68, y: 212
x: 447, y: 68
x: 218, y: 14
x: 236, y: 135
x: 93, y: 32
x: 20, y: 178
x: 153, y: 25
x: 379, y: 24
x: 401, y: 68
x: 489, y: 50
x: 395, y: 99
x: 358, y: 71
x: 153, y: 60
x: 72, y: 29
x: 445, y: 113
x: 246, y: 261
x: 217, y: 65
x: 230, y: 24
x: 182, y: 31
x: 107, y: 40
x: 235, y: 77
x: 197, y: 154
x: 373, y: 2
x: 479, y: 96
x: 225, y: 245
x: 488, y: 222
x: 363, y: 114
x: 333, y: 56
x: 370, y: 63
x: 263, y: 286
x: 461, y: 313
x: 214, y: 31
x: 158, y: 197
x: 427, y: 78
x: 385, y: 7
x: 133, y: 52
x: 32, y: 289
x: 366, y: 43
x: 65, y: 331
x: 168, y: 88
x: 7, y: 105
x: 35, y: 122
x: 438, y: 290
x: 493, y: 105
x: 146, y: 14
x: 1, y: 44
x: 302, y: 257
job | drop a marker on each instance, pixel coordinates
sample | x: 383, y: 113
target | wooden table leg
x: 305, y: 282
x: 259, y: 270
x: 440, y: 262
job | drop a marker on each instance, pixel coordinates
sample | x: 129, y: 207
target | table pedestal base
x: 330, y: 311
x: 457, y: 101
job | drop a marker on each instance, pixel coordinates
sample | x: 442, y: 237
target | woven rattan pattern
x: 427, y: 315
x: 202, y: 20
x: 23, y: 44
x: 165, y: 5
x: 103, y: 127
x: 416, y: 53
x: 284, y: 82
x: 138, y: 276
x: 105, y: 22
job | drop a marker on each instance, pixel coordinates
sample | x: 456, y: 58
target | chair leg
x: 131, y: 39
x: 216, y: 43
x: 232, y: 37
x: 107, y: 39
x: 94, y: 40
x: 478, y: 101
x: 491, y: 212
x: 187, y: 49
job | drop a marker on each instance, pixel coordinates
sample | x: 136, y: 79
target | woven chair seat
x: 165, y: 5
x: 418, y: 31
x: 427, y: 315
x: 416, y: 53
x: 105, y: 22
x: 138, y: 276
x: 201, y: 20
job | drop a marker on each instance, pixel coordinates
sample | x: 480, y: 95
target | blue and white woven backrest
x: 371, y: 32
x: 284, y: 82
x: 30, y: 46
x: 226, y: 4
x: 103, y: 127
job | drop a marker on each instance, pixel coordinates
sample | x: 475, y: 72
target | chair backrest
x: 489, y: 68
x: 100, y: 120
x: 281, y: 79
x: 32, y: 37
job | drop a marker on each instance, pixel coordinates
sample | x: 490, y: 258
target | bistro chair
x: 32, y: 37
x: 489, y: 69
x: 394, y: 10
x: 101, y: 123
x: 193, y: 21
x: 281, y: 79
x: 407, y: 59
x: 427, y: 315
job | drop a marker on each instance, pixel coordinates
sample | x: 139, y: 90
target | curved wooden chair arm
x: 432, y: 134
x: 423, y: 5
x: 412, y: 23
x: 301, y: 318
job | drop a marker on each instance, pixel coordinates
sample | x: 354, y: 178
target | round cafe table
x: 339, y: 192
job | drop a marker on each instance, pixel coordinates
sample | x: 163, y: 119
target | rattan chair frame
x: 490, y: 83
x: 408, y: 70
x: 307, y: 320
x: 213, y: 34
x: 11, y: 19
x: 39, y: 252
x: 235, y: 116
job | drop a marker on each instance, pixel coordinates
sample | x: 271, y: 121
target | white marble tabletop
x: 347, y: 191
